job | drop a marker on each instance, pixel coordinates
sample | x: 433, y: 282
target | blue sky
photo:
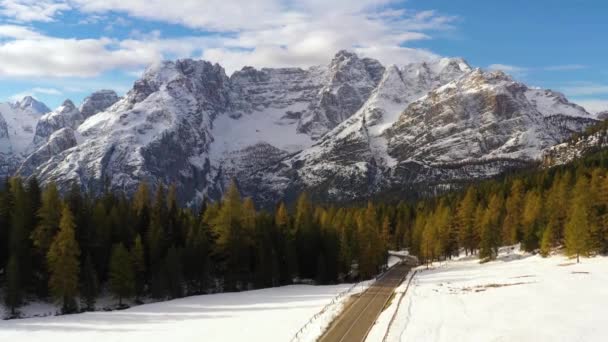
x: 57, y: 49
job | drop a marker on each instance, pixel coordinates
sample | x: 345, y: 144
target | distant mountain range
x: 345, y: 131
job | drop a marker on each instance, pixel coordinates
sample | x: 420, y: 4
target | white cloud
x: 523, y: 71
x: 18, y: 32
x: 593, y: 105
x: 509, y: 69
x: 27, y: 53
x: 34, y: 92
x: 32, y: 10
x: 565, y: 67
x: 258, y: 33
x: 585, y: 89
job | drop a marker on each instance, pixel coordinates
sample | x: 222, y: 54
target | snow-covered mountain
x: 347, y: 130
x: 431, y: 126
x: 17, y: 126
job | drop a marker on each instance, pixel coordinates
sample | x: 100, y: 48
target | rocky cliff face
x: 344, y: 131
x: 97, y: 102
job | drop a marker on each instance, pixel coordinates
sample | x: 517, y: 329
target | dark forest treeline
x: 565, y: 206
x: 71, y: 247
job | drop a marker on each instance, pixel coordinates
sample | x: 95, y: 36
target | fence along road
x: 353, y: 324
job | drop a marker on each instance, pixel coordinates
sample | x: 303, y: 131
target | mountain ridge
x: 343, y: 131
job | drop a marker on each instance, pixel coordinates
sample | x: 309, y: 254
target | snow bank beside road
x: 263, y: 315
x: 518, y: 297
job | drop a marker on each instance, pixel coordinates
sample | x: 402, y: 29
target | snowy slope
x: 519, y: 297
x: 262, y: 315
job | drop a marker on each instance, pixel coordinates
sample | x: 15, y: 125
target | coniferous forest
x: 71, y: 248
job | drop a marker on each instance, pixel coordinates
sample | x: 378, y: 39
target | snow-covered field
x: 263, y: 315
x: 518, y: 297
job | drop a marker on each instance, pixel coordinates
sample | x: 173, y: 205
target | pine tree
x: 6, y: 203
x: 19, y: 245
x: 232, y: 239
x: 13, y: 291
x: 465, y: 217
x: 139, y: 267
x: 370, y: 245
x: 285, y: 245
x: 101, y: 242
x: 90, y: 284
x: 513, y: 213
x: 443, y: 227
x: 197, y: 265
x: 173, y: 273
x: 555, y: 213
x: 174, y: 230
x: 490, y: 233
x: 63, y: 262
x: 531, y: 218
x: 546, y: 242
x: 49, y: 216
x: 122, y: 280
x: 577, y: 231
x: 307, y: 237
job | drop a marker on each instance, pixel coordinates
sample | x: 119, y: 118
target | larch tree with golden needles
x: 63, y: 261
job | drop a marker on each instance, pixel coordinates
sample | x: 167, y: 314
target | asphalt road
x: 353, y: 324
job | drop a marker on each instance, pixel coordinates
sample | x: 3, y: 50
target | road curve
x: 353, y: 324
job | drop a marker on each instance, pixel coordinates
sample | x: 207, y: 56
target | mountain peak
x: 29, y: 102
x: 68, y: 105
x: 97, y: 102
x: 344, y: 54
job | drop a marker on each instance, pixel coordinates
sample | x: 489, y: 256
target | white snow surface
x: 262, y: 315
x: 518, y: 297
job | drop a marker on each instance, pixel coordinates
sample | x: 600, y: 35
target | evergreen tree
x: 19, y: 245
x: 173, y: 273
x: 64, y: 263
x: 531, y: 220
x: 49, y: 216
x: 490, y: 233
x: 370, y: 246
x: 13, y: 291
x: 465, y: 216
x: 513, y: 214
x: 307, y: 237
x: 139, y: 267
x: 546, y: 241
x: 197, y: 265
x: 577, y: 231
x: 6, y: 204
x: 101, y: 242
x: 122, y: 280
x: 232, y: 239
x: 285, y: 245
x: 89, y: 288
